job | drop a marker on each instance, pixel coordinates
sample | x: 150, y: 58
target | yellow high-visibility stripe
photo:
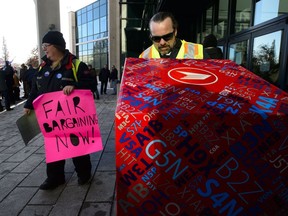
x: 187, y: 50
x: 74, y: 68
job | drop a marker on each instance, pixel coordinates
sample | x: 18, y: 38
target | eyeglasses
x: 45, y: 45
x: 166, y: 37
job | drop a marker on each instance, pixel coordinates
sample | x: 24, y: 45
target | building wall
x: 48, y: 18
x: 114, y: 33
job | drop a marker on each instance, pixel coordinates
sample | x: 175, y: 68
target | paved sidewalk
x: 23, y: 169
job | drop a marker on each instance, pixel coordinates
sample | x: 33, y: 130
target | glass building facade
x: 92, y: 34
x: 253, y: 33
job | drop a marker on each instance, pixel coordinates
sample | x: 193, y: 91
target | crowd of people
x: 165, y: 44
x: 10, y: 82
x: 55, y: 75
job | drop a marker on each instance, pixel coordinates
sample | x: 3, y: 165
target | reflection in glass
x: 96, y: 13
x: 103, y: 24
x: 84, y: 20
x: 103, y: 10
x: 84, y: 30
x: 266, y: 55
x: 90, y: 28
x: 221, y: 24
x: 208, y: 22
x: 238, y: 53
x: 269, y: 9
x: 96, y: 26
x: 89, y: 16
x: 243, y: 15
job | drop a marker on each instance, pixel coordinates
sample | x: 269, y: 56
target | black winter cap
x: 55, y: 38
x: 210, y: 41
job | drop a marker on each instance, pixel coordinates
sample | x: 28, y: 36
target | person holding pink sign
x: 60, y: 71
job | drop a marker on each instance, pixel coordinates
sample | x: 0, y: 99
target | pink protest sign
x: 69, y: 124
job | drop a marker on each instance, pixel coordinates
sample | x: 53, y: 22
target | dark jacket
x: 9, y: 72
x: 104, y: 75
x: 48, y: 80
x: 214, y: 53
x: 3, y: 86
x: 114, y: 74
x: 29, y: 74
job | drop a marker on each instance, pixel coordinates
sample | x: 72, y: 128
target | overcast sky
x: 18, y: 25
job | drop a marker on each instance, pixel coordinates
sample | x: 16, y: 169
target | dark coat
x: 214, y: 53
x: 9, y: 72
x: 48, y: 80
x: 114, y: 74
x: 29, y: 74
x: 3, y: 86
x: 104, y: 75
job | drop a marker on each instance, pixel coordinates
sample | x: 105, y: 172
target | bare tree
x: 5, y: 50
x: 34, y: 60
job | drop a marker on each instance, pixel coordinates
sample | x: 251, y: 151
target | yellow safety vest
x: 187, y: 50
x: 75, y: 64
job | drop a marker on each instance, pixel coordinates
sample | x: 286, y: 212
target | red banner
x: 200, y: 137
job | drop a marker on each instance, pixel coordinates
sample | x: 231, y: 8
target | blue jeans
x: 114, y: 86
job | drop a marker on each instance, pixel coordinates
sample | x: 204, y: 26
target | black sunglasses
x: 166, y: 37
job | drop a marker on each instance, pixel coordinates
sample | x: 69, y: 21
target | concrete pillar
x: 72, y: 30
x: 48, y: 18
x: 114, y: 32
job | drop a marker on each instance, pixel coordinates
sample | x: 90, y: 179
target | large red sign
x: 200, y: 137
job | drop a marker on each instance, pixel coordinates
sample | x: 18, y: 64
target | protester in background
x: 163, y: 33
x: 114, y: 79
x: 94, y: 76
x: 56, y: 74
x: 4, y: 90
x: 29, y: 74
x: 16, y: 86
x: 3, y: 87
x: 210, y: 46
x: 104, y: 77
x: 9, y: 72
x: 23, y: 70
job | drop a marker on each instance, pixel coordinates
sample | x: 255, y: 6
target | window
x: 103, y: 10
x: 89, y: 16
x: 243, y: 15
x: 208, y: 22
x: 266, y: 55
x: 84, y: 30
x: 84, y: 18
x: 103, y: 24
x: 91, y: 29
x: 268, y: 9
x: 96, y: 13
x: 96, y: 26
x: 221, y: 22
x: 79, y: 20
x: 238, y: 53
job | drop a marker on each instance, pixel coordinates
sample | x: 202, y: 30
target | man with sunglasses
x: 163, y: 32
